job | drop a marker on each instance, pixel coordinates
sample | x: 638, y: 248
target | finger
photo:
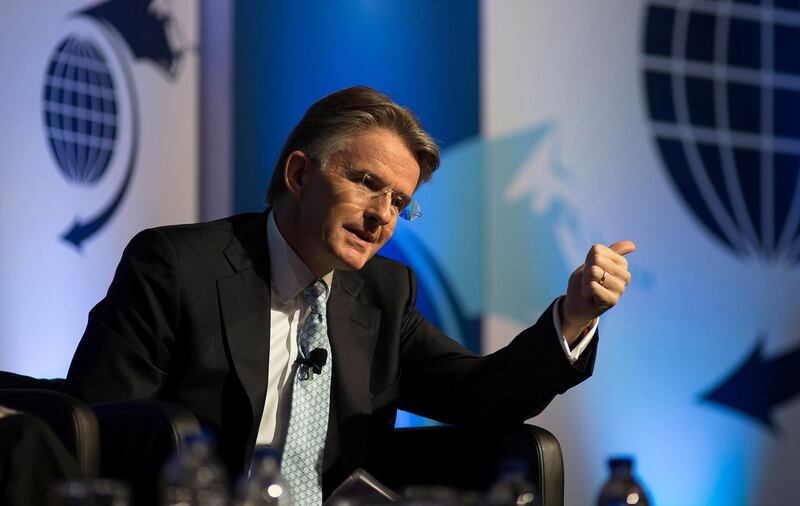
x: 592, y: 273
x: 611, y: 267
x: 623, y: 247
x: 600, y: 298
x: 598, y: 251
x: 606, y: 279
x: 614, y: 284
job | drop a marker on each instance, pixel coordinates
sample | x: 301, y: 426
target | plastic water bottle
x: 193, y: 476
x: 265, y: 485
x: 622, y: 488
x: 512, y: 487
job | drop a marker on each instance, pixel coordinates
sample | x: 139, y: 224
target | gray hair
x: 338, y: 117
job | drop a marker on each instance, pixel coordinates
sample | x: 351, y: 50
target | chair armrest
x: 167, y: 421
x: 70, y: 419
x: 550, y: 473
x: 467, y: 458
x: 137, y: 437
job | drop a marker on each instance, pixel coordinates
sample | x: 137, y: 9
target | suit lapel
x: 244, y: 299
x: 352, y: 329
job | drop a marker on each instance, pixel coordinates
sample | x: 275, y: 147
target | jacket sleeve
x: 125, y: 350
x: 444, y: 381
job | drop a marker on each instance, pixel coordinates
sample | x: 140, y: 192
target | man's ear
x: 297, y: 165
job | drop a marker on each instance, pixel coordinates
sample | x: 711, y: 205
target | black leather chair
x: 127, y: 440
x: 467, y: 458
x: 136, y: 438
x: 71, y: 420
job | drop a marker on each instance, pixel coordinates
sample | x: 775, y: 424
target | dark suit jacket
x: 186, y: 319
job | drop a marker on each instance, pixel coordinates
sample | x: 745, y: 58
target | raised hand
x: 595, y: 287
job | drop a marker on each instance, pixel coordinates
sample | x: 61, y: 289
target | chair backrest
x: 128, y: 440
x: 137, y: 437
x: 467, y: 458
x: 71, y: 420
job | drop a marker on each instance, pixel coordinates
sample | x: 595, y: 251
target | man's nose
x: 380, y: 208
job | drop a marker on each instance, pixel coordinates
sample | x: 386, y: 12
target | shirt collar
x: 289, y: 275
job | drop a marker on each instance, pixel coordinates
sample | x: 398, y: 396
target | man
x: 214, y: 315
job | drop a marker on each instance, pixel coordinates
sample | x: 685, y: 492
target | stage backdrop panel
x: 423, y: 54
x: 99, y: 135
x: 673, y: 124
x: 670, y: 123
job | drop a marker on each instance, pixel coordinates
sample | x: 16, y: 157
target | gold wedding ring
x: 604, y: 277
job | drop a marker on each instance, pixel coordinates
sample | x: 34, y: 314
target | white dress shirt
x: 288, y: 277
x: 575, y: 353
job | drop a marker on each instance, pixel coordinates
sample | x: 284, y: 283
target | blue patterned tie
x: 301, y: 464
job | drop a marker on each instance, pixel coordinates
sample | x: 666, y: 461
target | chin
x: 353, y: 261
x: 352, y: 256
x: 353, y: 264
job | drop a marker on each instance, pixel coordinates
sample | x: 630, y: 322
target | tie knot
x: 315, y: 296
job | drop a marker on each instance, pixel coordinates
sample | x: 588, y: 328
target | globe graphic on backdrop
x: 722, y: 86
x: 80, y: 110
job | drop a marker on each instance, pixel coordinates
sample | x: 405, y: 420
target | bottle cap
x: 621, y: 461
